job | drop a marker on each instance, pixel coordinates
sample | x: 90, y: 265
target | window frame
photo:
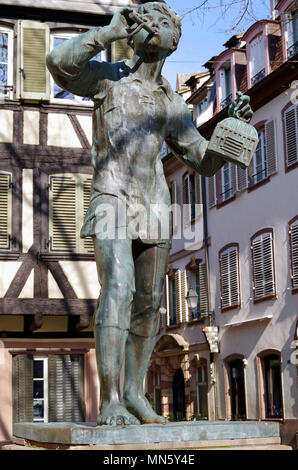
x: 203, y: 383
x: 10, y: 63
x: 263, y: 153
x: 230, y: 191
x: 272, y: 295
x: 285, y: 110
x: 45, y: 389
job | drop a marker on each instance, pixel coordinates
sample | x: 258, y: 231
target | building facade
x: 249, y: 246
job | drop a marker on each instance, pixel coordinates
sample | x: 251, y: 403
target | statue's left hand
x: 240, y: 108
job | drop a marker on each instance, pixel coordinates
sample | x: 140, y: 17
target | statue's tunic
x: 131, y: 120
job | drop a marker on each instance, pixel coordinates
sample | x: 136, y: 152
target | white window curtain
x: 257, y: 55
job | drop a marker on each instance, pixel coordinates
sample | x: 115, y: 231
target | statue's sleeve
x: 186, y: 142
x: 71, y: 67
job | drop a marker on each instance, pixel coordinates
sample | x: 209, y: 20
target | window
x: 176, y: 291
x: 48, y: 389
x: 273, y: 392
x: 229, y: 277
x: 157, y: 392
x: 197, y: 280
x: 202, y: 392
x: 263, y: 266
x: 172, y: 292
x: 257, y: 51
x: 227, y: 181
x: 225, y: 85
x: 40, y: 389
x: 291, y: 135
x: 211, y: 191
x: 57, y: 93
x: 293, y: 238
x: 292, y: 30
x: 69, y: 200
x: 191, y: 196
x: 5, y: 211
x: 259, y: 159
x: 6, y: 62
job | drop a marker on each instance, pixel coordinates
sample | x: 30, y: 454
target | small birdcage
x: 235, y: 141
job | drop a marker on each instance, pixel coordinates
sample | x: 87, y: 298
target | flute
x: 137, y: 19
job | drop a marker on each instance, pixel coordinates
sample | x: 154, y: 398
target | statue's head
x: 163, y: 10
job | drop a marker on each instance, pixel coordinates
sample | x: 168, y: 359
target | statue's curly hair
x: 168, y: 12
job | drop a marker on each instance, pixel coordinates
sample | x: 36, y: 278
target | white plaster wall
x: 53, y: 289
x: 8, y: 270
x: 82, y: 276
x: 86, y: 123
x: 31, y: 127
x: 6, y: 126
x: 27, y: 210
x: 61, y: 132
x: 28, y: 289
x: 270, y: 205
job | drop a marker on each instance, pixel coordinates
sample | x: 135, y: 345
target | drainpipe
x: 211, y: 316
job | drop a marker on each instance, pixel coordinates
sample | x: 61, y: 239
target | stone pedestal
x: 182, y: 435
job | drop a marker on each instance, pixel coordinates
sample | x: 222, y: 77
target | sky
x: 203, y: 36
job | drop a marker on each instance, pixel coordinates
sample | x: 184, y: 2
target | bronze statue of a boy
x: 135, y: 111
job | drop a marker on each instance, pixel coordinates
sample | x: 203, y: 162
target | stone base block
x: 192, y: 434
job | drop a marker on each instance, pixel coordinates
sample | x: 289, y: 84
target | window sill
x: 173, y: 327
x: 266, y: 297
x: 291, y: 167
x: 196, y: 321
x: 294, y: 290
x: 224, y: 203
x: 9, y: 255
x: 66, y: 256
x: 230, y: 307
x: 252, y: 187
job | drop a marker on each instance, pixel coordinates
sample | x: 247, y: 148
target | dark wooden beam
x: 32, y: 322
x: 78, y: 322
x: 15, y: 306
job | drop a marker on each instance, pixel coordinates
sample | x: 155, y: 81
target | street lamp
x: 192, y: 300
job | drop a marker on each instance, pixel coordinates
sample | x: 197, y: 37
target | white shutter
x: 262, y: 251
x: 63, y: 226
x: 5, y: 210
x: 184, y: 290
x: 290, y: 29
x: 242, y: 179
x: 222, y: 81
x: 33, y: 79
x: 211, y: 192
x: 203, y: 290
x: 178, y: 296
x: 291, y: 128
x: 294, y: 253
x: 270, y: 143
x: 230, y: 292
x: 87, y: 186
x: 257, y: 55
x: 168, y: 306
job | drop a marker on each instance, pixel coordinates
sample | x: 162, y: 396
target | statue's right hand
x: 119, y: 27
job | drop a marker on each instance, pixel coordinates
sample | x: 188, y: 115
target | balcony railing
x: 258, y: 77
x: 226, y: 102
x: 292, y: 50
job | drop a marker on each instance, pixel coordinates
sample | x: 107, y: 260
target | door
x: 238, y: 406
x: 178, y: 396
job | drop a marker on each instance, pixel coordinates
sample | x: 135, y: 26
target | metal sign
x: 211, y: 335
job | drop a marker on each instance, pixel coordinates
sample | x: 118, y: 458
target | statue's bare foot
x: 115, y: 414
x: 139, y: 406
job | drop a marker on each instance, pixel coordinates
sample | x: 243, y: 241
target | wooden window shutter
x: 293, y: 232
x: 66, y: 388
x: 184, y: 290
x: 211, y: 192
x: 270, y: 147
x: 33, y: 46
x: 121, y: 50
x: 87, y: 186
x: 263, y: 269
x: 203, y: 290
x: 229, y: 278
x: 22, y: 385
x: 291, y: 130
x: 242, y: 178
x: 5, y: 210
x: 63, y: 223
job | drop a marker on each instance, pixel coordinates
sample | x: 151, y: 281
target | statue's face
x: 163, y: 40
